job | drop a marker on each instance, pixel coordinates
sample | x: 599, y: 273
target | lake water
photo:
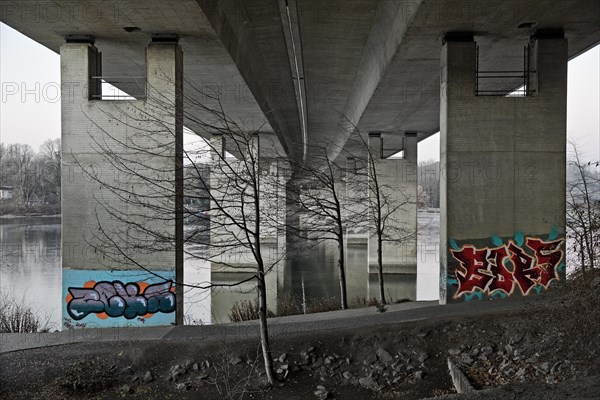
x: 30, y: 271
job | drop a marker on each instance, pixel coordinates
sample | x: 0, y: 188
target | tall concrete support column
x: 233, y: 209
x: 122, y: 193
x: 231, y: 181
x: 356, y: 187
x: 396, y: 182
x: 503, y: 176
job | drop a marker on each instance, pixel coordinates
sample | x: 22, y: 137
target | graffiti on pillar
x: 117, y: 299
x: 522, y: 265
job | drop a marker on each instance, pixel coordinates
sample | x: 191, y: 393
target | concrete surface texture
x: 504, y: 161
x: 376, y: 61
x: 121, y: 160
x: 239, y: 233
x: 394, y: 182
x: 297, y: 69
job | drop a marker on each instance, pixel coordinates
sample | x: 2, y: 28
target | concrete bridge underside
x: 377, y: 62
x: 303, y: 69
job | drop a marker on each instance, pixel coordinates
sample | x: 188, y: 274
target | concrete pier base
x: 503, y: 176
x: 122, y: 233
x: 396, y: 182
x: 233, y: 224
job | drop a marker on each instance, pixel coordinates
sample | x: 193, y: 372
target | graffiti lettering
x: 508, y: 266
x: 117, y: 299
x: 501, y: 276
x: 476, y: 274
x: 548, y: 256
x: 525, y: 272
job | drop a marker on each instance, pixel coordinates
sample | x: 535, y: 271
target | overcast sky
x: 32, y: 114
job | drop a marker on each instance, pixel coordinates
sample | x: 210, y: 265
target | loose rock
x: 370, y: 383
x: 371, y: 359
x: 127, y: 371
x: 148, y: 377
x: 321, y: 393
x: 384, y: 356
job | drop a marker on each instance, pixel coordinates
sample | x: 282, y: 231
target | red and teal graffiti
x: 524, y: 263
x: 116, y: 299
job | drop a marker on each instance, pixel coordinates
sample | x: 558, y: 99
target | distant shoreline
x: 11, y: 217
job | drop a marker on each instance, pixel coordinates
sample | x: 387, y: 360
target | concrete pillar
x: 410, y: 147
x: 397, y: 181
x: 232, y: 259
x: 122, y: 196
x: 228, y: 177
x: 503, y: 177
x: 356, y: 188
x: 217, y: 165
x: 292, y: 219
x: 229, y: 251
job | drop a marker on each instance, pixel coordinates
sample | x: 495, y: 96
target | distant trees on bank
x: 33, y: 178
x: 428, y: 194
x: 583, y: 211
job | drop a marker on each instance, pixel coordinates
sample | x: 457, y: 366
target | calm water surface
x: 30, y: 271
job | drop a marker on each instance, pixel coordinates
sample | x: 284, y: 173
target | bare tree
x: 583, y: 209
x: 238, y: 188
x: 242, y: 204
x: 50, y: 169
x: 324, y: 214
x: 32, y: 176
x: 3, y: 151
x: 20, y: 167
x: 337, y: 199
x: 385, y: 203
x: 429, y: 183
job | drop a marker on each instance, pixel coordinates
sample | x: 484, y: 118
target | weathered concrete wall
x: 503, y: 178
x: 397, y: 182
x: 122, y: 193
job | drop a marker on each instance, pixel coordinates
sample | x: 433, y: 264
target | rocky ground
x: 536, y: 349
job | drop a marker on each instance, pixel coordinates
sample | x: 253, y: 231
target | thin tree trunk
x: 342, y: 271
x: 581, y: 254
x: 590, y: 234
x: 264, y: 331
x: 380, y: 268
x: 261, y: 284
x: 591, y: 249
x: 587, y: 225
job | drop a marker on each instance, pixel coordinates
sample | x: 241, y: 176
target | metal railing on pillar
x: 504, y: 83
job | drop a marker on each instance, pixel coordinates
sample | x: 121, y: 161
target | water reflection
x: 312, y: 276
x: 316, y: 275
x: 428, y: 255
x: 30, y: 269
